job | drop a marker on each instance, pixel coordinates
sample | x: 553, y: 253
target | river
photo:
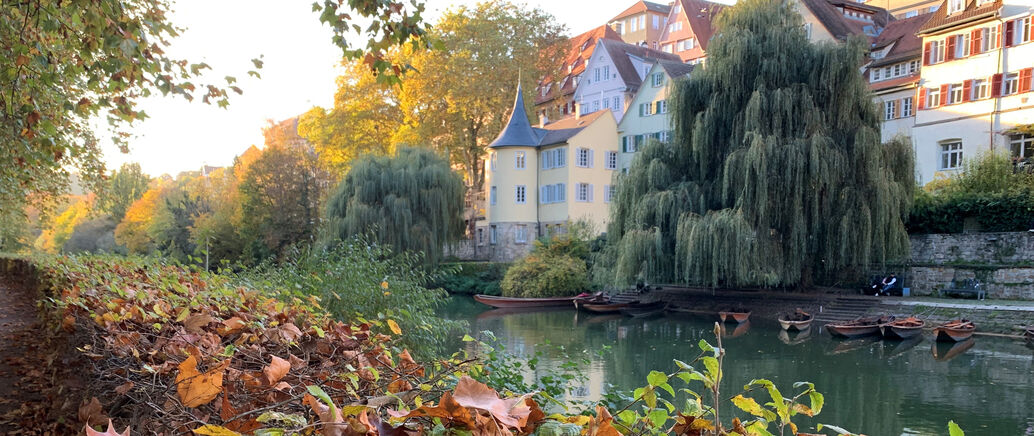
x: 879, y: 388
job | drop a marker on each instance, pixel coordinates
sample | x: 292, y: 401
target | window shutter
x: 592, y: 158
x: 949, y: 52
x: 944, y: 95
x: 657, y: 107
x: 922, y: 99
x: 967, y: 89
x: 897, y: 109
x: 998, y: 41
x: 996, y: 85
x: 1010, y: 27
x: 975, y: 39
x: 1025, y: 79
x: 592, y: 188
x: 927, y: 52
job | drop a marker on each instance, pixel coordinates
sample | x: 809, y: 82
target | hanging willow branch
x: 412, y: 201
x: 776, y: 175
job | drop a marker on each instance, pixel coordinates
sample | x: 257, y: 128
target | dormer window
x: 956, y: 6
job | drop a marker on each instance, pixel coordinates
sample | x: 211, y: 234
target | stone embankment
x: 998, y: 317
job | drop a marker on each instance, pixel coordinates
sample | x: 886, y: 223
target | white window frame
x: 980, y: 89
x: 520, y: 194
x: 493, y: 195
x: 933, y: 97
x: 955, y: 93
x: 906, y: 107
x: 520, y: 160
x: 493, y: 160
x: 611, y: 160
x: 608, y: 193
x: 989, y: 39
x: 1011, y: 84
x: 583, y: 157
x: 937, y: 49
x: 583, y: 192
x: 890, y: 109
x: 876, y: 75
x: 951, y: 155
x: 955, y: 6
x: 658, y: 80
x: 1022, y: 146
x: 913, y: 67
x: 480, y: 232
x: 1021, y: 31
x: 617, y: 103
x: 493, y: 234
x: 663, y: 106
x: 561, y: 157
x: 961, y: 45
x: 520, y: 234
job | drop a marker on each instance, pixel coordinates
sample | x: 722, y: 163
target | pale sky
x: 299, y: 73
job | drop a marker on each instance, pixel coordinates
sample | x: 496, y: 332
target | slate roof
x: 518, y: 131
x: 941, y: 20
x: 619, y: 54
x: 902, y: 34
x: 676, y: 69
x: 841, y: 27
x: 643, y: 6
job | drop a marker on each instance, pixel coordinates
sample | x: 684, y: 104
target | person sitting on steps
x: 888, y: 283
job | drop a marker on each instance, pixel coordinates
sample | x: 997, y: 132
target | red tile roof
x: 941, y: 20
x: 841, y: 27
x: 701, y: 14
x: 894, y: 83
x: 903, y: 35
x: 578, y: 55
x: 643, y: 6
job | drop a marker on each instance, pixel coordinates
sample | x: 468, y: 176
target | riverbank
x: 1000, y: 317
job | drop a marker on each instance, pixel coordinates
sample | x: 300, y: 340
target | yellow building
x: 541, y: 178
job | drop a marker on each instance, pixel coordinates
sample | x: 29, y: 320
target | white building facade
x: 976, y: 86
x: 613, y: 75
x: 648, y: 117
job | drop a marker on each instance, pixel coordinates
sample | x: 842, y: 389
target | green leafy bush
x: 552, y: 275
x: 359, y: 279
x: 472, y: 277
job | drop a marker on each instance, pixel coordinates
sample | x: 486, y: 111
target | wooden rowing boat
x: 858, y: 328
x: 737, y: 316
x: 642, y: 310
x: 799, y: 320
x: 945, y: 351
x: 954, y: 331
x: 511, y: 302
x: 604, y: 307
x: 903, y: 328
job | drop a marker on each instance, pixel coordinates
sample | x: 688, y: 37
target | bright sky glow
x: 301, y: 65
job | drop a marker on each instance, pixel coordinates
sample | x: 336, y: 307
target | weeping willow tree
x: 412, y: 201
x: 775, y: 175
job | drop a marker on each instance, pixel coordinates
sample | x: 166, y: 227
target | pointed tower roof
x: 518, y: 131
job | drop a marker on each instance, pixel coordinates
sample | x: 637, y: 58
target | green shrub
x: 538, y: 276
x: 472, y: 277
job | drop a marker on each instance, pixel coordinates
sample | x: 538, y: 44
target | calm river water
x: 880, y: 388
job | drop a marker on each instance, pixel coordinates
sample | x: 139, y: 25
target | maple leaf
x: 447, y: 408
x: 195, y: 388
x: 512, y: 413
x: 110, y: 432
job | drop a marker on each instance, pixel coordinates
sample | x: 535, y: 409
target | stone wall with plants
x: 1003, y: 262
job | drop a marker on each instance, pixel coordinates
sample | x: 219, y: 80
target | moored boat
x: 604, y: 307
x: 954, y: 331
x: 797, y: 320
x: 641, y: 310
x: 903, y: 328
x: 1029, y: 334
x: 859, y: 327
x: 507, y: 302
x: 944, y: 351
x: 739, y: 316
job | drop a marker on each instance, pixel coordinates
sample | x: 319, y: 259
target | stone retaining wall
x: 1002, y: 262
x: 988, y: 248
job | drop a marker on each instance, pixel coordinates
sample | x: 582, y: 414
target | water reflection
x: 872, y: 386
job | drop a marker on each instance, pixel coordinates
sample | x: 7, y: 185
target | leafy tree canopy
x: 412, y: 201
x: 776, y: 174
x: 123, y: 187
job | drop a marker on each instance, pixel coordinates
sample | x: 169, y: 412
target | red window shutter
x: 921, y: 104
x: 998, y: 41
x: 1025, y: 76
x: 944, y: 94
x: 926, y: 54
x: 949, y: 52
x: 967, y: 89
x: 996, y: 85
x: 975, y: 38
x: 1010, y: 26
